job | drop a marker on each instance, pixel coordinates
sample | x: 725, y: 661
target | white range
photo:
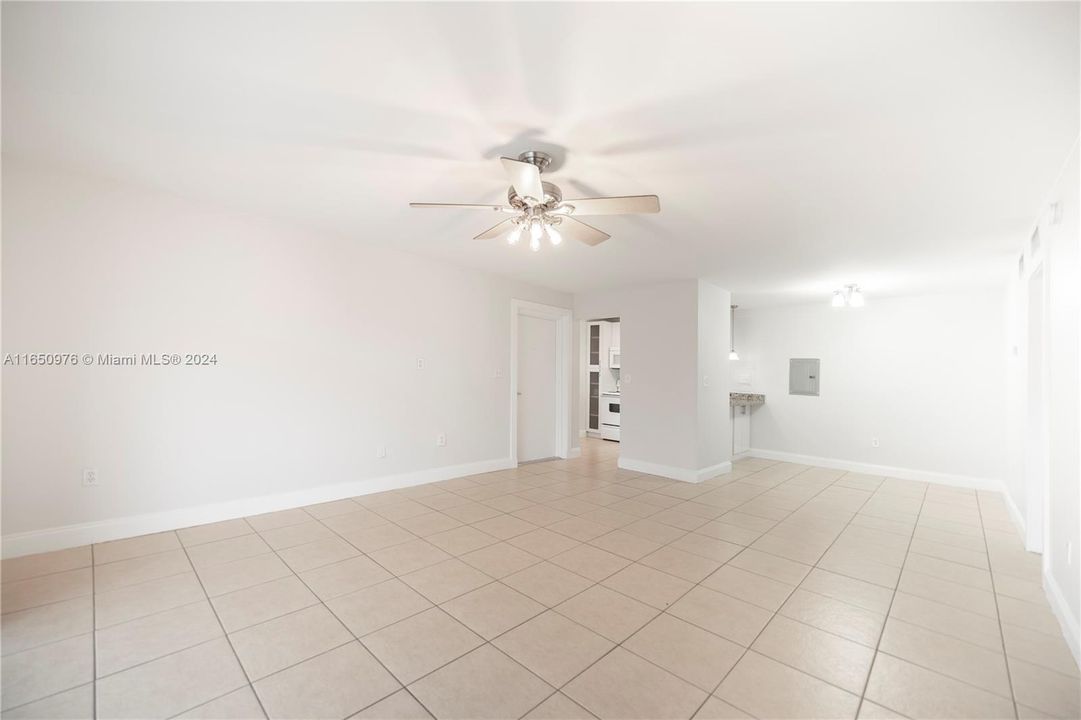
x: 610, y: 416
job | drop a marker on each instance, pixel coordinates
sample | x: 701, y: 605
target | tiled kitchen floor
x: 565, y: 589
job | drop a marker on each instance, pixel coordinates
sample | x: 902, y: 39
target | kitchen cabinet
x: 594, y: 345
x: 594, y: 400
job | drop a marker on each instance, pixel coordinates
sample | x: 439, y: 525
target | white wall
x: 316, y: 339
x: 714, y: 413
x: 924, y: 375
x: 1060, y: 258
x: 658, y: 344
x: 672, y: 335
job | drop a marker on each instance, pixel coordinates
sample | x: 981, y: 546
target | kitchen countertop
x: 746, y: 399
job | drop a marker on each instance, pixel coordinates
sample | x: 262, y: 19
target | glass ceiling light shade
x: 554, y: 236
x: 848, y: 296
x: 515, y: 235
x: 733, y: 355
x: 535, y: 232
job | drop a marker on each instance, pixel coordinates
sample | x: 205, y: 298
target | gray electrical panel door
x: 803, y: 376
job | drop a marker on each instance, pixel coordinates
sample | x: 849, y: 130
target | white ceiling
x: 795, y: 147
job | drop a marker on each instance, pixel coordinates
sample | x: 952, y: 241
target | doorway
x: 601, y: 403
x: 540, y: 389
x: 1036, y: 446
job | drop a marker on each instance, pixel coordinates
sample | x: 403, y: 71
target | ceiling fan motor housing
x: 535, y: 157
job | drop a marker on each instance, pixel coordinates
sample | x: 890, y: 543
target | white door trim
x: 1038, y: 487
x: 564, y: 344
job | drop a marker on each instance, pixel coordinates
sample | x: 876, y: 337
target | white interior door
x: 537, y: 357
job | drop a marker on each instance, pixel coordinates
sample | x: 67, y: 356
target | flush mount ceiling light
x: 848, y: 296
x: 540, y: 210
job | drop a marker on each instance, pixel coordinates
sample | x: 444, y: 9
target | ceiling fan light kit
x: 848, y: 296
x: 538, y: 207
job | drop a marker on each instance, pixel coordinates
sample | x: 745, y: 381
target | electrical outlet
x: 381, y: 452
x: 420, y: 363
x: 440, y: 440
x: 90, y: 477
x: 499, y: 373
x: 705, y: 381
x: 874, y: 442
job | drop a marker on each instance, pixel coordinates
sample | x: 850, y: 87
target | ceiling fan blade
x: 525, y: 178
x: 578, y: 230
x: 496, y: 231
x: 611, y: 205
x: 464, y: 206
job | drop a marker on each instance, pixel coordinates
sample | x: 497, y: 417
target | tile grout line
x: 962, y: 640
x: 747, y: 648
x: 640, y: 491
x: 356, y: 638
x: 228, y: 640
x: 774, y: 613
x: 93, y: 636
x: 889, y: 608
x: 547, y: 608
x: 207, y: 598
x: 320, y: 601
x: 631, y: 562
x: 998, y: 613
x: 885, y: 618
x: 693, y: 587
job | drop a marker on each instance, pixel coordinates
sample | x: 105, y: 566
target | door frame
x: 1037, y: 456
x: 564, y: 345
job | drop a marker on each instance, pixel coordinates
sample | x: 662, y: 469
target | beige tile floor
x: 564, y: 589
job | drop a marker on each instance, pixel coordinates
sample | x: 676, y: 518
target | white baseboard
x: 964, y: 481
x: 58, y: 538
x: 1015, y: 514
x: 672, y: 472
x: 1071, y: 629
x: 714, y: 470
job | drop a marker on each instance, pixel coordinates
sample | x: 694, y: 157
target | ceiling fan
x: 538, y: 208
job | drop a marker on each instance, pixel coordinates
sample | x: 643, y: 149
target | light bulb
x: 733, y: 355
x: 838, y: 299
x: 515, y: 235
x: 554, y: 235
x: 855, y: 298
x: 535, y: 232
